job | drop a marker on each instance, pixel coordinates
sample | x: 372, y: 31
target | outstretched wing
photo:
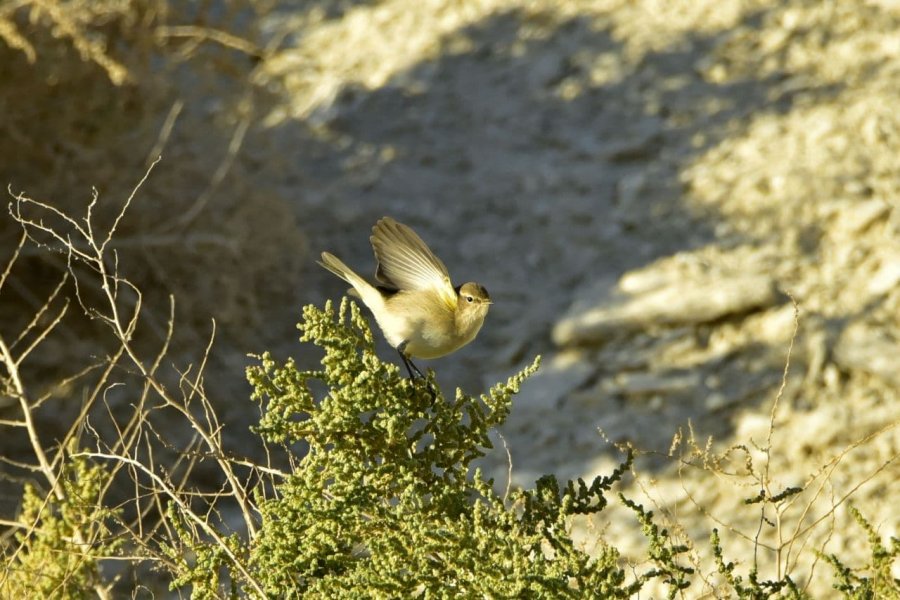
x: 407, y: 263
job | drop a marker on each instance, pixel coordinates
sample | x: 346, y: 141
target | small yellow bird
x: 415, y: 304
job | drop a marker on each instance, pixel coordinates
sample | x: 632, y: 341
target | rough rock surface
x: 602, y: 310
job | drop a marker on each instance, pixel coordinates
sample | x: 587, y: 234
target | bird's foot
x: 415, y: 372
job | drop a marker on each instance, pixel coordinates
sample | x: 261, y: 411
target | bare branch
x: 185, y: 510
x: 12, y: 367
x: 39, y: 313
x: 12, y: 259
x: 115, y: 225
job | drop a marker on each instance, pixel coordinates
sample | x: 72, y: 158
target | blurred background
x: 642, y: 186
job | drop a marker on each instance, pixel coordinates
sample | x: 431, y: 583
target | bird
x: 417, y: 307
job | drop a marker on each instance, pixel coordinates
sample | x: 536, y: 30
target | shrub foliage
x: 385, y: 500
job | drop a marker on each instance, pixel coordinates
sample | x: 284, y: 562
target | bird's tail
x: 361, y: 288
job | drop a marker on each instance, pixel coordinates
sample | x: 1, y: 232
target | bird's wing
x: 407, y: 263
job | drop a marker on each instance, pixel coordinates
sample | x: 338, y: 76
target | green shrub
x: 62, y: 537
x: 385, y: 501
x: 873, y: 580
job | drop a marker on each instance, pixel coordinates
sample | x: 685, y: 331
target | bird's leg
x: 411, y: 368
x: 414, y: 371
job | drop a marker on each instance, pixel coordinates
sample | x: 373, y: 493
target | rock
x: 887, y: 276
x: 645, y: 280
x: 605, y: 309
x: 717, y: 400
x: 631, y: 188
x: 860, y: 215
x: 644, y: 384
x: 641, y: 141
x: 869, y: 348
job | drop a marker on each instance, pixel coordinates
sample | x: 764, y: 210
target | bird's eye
x: 470, y: 299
